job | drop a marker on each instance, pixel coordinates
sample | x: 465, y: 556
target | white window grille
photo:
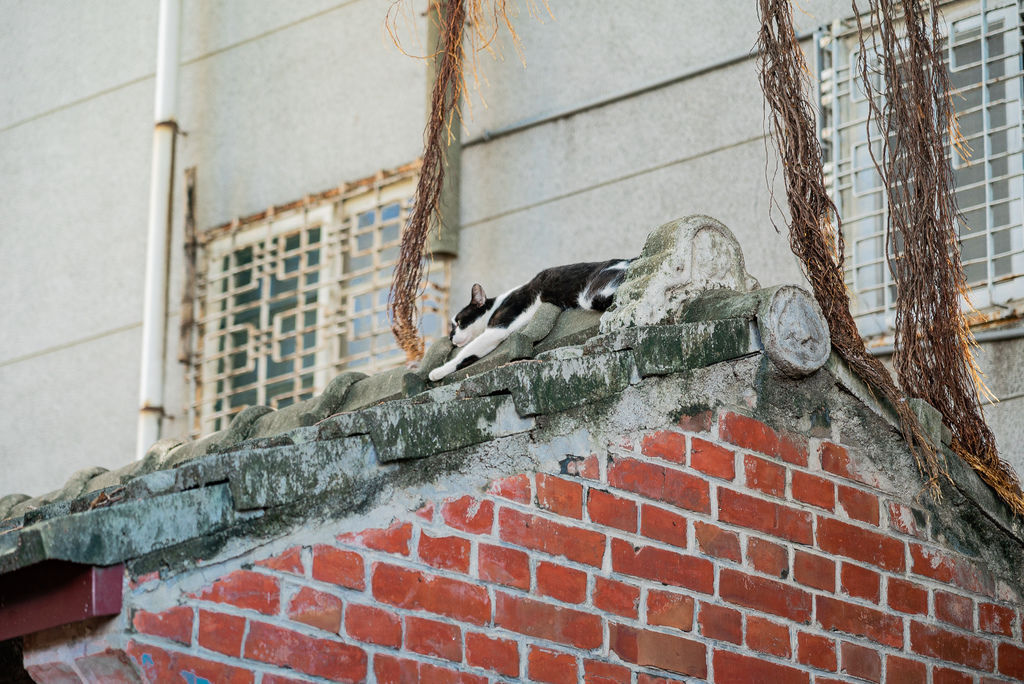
x: 288, y: 301
x: 983, y: 54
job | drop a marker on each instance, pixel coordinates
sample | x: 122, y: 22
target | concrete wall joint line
x: 68, y: 345
x: 526, y: 124
x: 194, y: 60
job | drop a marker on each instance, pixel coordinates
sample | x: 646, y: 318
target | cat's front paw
x: 438, y: 373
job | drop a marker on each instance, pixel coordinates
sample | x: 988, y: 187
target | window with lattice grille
x: 983, y: 54
x: 288, y: 301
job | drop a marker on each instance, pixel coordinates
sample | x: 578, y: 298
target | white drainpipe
x: 154, y: 317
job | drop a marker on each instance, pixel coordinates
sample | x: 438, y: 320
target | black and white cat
x: 486, y: 321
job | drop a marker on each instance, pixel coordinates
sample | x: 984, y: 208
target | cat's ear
x: 478, y: 298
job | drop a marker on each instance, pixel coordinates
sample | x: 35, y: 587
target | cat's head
x: 472, y: 320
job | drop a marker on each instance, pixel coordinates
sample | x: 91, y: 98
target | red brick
x: 859, y: 544
x: 391, y: 670
x: 662, y: 484
x: 754, y: 435
x: 663, y: 566
x: 278, y: 679
x: 733, y: 667
x: 221, y: 633
x: 447, y: 553
x: 174, y: 623
x: 541, y: 534
x: 670, y: 446
x: 836, y: 460
x: 816, y: 651
x: 496, y: 655
x: 944, y: 675
x: 765, y: 595
x: 415, y: 590
x: 669, y: 610
x: 158, y: 665
x: 504, y: 566
x: 426, y: 511
x: 814, y: 490
x: 431, y: 637
x: 559, y: 496
x: 860, y: 582
x: 764, y: 476
x: 428, y: 672
x: 335, y: 566
x: 714, y: 541
x: 858, y: 620
x: 644, y: 678
x: 718, y: 622
x: 904, y: 671
x: 515, y: 488
x: 858, y: 504
x: 596, y: 672
x: 545, y: 621
x: 316, y: 609
x: 768, y: 637
x: 657, y: 523
x: 289, y: 561
x: 995, y: 619
x: 814, y: 571
x: 550, y: 666
x: 318, y: 657
x: 110, y: 666
x: 936, y: 642
x: 616, y: 597
x: 373, y: 625
x: 588, y: 467
x: 907, y: 597
x: 136, y: 582
x: 904, y: 519
x: 654, y: 649
x: 469, y: 515
x: 562, y: 583
x: 604, y: 508
x: 712, y: 459
x: 767, y: 557
x: 394, y: 539
x: 954, y: 609
x: 1011, y: 661
x: 861, y: 662
x: 246, y: 589
x: 696, y: 422
x: 764, y: 516
x: 950, y: 570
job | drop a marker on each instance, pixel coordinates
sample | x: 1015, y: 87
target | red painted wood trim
x: 55, y: 593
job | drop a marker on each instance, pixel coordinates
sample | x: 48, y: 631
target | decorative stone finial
x: 680, y: 260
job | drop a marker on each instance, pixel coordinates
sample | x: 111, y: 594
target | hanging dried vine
x: 483, y: 21
x: 912, y: 118
x: 814, y: 227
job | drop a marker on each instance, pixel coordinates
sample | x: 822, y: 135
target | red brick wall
x: 717, y: 549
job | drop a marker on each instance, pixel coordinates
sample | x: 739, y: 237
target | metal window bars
x: 288, y: 302
x: 983, y: 53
